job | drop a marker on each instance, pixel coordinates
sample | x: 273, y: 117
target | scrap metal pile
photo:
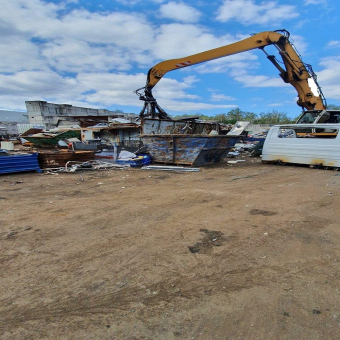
x: 122, y: 144
x: 72, y: 166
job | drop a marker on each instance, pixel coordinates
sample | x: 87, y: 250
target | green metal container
x: 53, y: 139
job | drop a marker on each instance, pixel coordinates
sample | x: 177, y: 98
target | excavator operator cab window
x: 330, y: 117
x: 308, y: 117
x: 324, y: 118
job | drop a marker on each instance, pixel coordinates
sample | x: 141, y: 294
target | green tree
x: 273, y: 117
x: 204, y: 117
x: 250, y: 117
x: 235, y: 115
x: 221, y: 118
x: 333, y: 107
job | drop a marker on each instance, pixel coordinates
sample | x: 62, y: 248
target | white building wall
x: 25, y: 127
x: 40, y: 112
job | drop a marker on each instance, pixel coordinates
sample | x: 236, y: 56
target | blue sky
x: 96, y: 53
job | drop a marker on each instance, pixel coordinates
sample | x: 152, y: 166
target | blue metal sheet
x: 19, y: 163
x: 255, y: 139
x: 3, y: 152
x: 188, y: 149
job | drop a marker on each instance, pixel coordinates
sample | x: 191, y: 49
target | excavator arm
x: 295, y: 71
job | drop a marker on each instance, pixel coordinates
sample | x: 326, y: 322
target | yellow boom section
x: 295, y: 72
x: 256, y: 41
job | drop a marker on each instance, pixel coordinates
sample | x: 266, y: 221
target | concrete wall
x: 50, y: 114
x: 258, y: 128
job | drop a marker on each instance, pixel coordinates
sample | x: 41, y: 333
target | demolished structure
x: 55, y: 115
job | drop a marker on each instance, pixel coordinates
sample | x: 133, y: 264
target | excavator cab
x: 319, y: 117
x: 308, y: 117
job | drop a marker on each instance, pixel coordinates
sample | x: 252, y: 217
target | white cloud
x: 180, y: 12
x: 116, y: 89
x: 35, y: 33
x: 41, y: 20
x: 30, y: 17
x: 111, y: 88
x: 77, y: 56
x: 315, y: 2
x: 328, y: 78
x: 171, y: 88
x: 98, y: 47
x: 334, y: 44
x: 179, y: 40
x: 134, y: 2
x: 129, y: 31
x: 37, y: 85
x: 44, y: 83
x: 19, y: 54
x: 300, y: 43
x: 179, y: 106
x: 225, y: 64
x: 248, y: 12
x: 220, y: 97
x: 171, y: 94
x: 257, y: 81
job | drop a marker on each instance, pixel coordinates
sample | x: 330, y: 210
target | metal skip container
x: 188, y: 149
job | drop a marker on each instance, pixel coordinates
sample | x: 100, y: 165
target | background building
x: 9, y: 121
x: 55, y: 115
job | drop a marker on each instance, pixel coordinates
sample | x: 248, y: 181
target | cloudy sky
x: 96, y: 53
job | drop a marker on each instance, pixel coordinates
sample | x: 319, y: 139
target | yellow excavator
x: 293, y: 70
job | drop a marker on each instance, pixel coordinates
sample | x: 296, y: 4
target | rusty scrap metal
x: 73, y: 166
x: 57, y: 159
x: 93, y: 165
x: 169, y: 168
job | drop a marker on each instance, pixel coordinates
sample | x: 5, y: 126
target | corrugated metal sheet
x: 22, y: 128
x: 318, y: 149
x: 19, y: 163
x: 188, y: 149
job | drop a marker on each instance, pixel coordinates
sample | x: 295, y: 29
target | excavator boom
x: 296, y: 72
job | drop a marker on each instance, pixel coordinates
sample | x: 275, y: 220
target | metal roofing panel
x: 19, y: 163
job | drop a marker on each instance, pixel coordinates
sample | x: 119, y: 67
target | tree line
x: 235, y: 115
x: 270, y: 117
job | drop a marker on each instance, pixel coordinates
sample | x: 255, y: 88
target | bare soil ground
x: 249, y: 251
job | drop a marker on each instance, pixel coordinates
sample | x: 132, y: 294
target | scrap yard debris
x: 169, y: 168
x: 177, y: 145
x: 72, y: 166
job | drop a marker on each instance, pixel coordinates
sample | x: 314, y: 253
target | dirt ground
x: 249, y: 251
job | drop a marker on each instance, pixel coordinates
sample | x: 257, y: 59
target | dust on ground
x: 249, y: 251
